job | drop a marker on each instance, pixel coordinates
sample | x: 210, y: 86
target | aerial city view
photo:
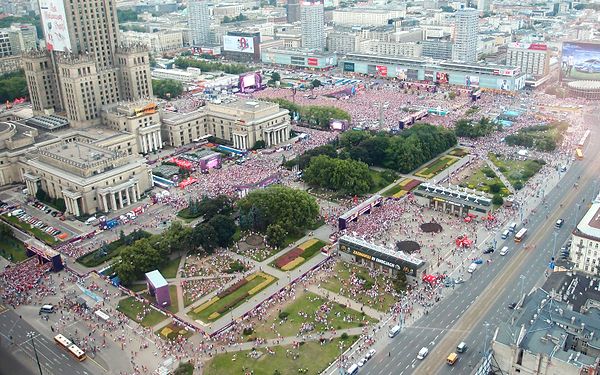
x: 289, y: 187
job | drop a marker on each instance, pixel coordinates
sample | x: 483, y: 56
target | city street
x: 445, y: 325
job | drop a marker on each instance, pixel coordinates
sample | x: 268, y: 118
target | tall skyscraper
x: 83, y: 67
x: 465, y: 35
x: 312, y: 24
x: 293, y: 11
x: 199, y: 22
x: 483, y: 5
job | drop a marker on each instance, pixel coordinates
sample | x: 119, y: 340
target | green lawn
x: 516, y: 171
x: 307, y: 254
x: 380, y: 180
x: 131, y: 307
x: 481, y: 182
x: 308, y: 303
x: 342, y: 274
x: 459, y: 151
x: 174, y: 307
x: 12, y: 249
x: 230, y: 298
x: 36, y: 232
x: 310, y: 356
x: 437, y: 166
x: 138, y: 287
x: 396, y: 188
x: 169, y: 269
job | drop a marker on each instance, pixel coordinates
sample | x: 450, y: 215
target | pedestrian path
x: 500, y: 175
x: 346, y: 301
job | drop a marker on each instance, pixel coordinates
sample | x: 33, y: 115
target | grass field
x: 379, y: 180
x: 395, y: 189
x: 310, y: 356
x: 229, y: 302
x: 174, y: 307
x: 479, y: 181
x: 308, y: 303
x: 342, y: 274
x: 169, y: 269
x: 132, y: 307
x: 516, y: 171
x: 36, y: 232
x: 438, y: 165
x: 12, y: 249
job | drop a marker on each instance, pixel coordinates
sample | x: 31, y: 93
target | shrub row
x: 233, y: 288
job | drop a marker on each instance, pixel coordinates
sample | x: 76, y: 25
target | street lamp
x: 31, y: 335
x: 554, y: 248
x: 522, y: 280
x: 486, y: 325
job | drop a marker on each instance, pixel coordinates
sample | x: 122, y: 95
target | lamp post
x: 486, y: 325
x: 31, y: 335
x: 554, y: 248
x: 522, y: 281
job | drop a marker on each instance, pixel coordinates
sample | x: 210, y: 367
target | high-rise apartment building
x: 465, y: 35
x: 199, y: 22
x: 533, y: 59
x: 293, y: 11
x: 84, y: 68
x: 312, y: 23
x: 483, y: 5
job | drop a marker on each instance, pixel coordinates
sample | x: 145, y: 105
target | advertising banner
x: 580, y: 61
x: 503, y: 84
x: 238, y: 44
x: 54, y: 23
x: 348, y: 66
x: 313, y: 61
x: 401, y: 73
x: 382, y: 70
x: 441, y: 77
x: 472, y: 81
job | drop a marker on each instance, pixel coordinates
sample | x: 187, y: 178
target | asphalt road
x: 14, y: 344
x: 485, y: 294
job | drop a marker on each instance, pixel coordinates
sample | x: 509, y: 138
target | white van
x: 504, y: 251
x: 423, y: 353
x: 48, y: 309
x: 394, y: 331
x: 472, y: 268
x: 90, y: 220
x: 513, y: 227
x: 505, y: 234
x: 352, y: 369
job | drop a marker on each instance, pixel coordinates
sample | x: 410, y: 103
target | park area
x: 484, y: 179
x: 308, y: 314
x: 12, y: 249
x: 232, y: 297
x: 34, y: 231
x: 301, y: 358
x: 360, y: 285
x: 140, y: 312
x: 298, y: 255
x: 516, y: 171
x: 437, y: 166
x: 402, y: 188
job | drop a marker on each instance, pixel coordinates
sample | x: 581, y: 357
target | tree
x: 294, y: 210
x: 138, y: 258
x: 400, y: 282
x: 275, y: 235
x: 5, y: 231
x: 275, y: 77
x: 167, y: 88
x: 13, y: 86
x: 518, y: 185
x: 260, y: 144
x: 205, y: 236
x: 126, y: 15
x: 224, y: 227
x: 347, y: 176
x: 497, y: 200
x: 316, y: 83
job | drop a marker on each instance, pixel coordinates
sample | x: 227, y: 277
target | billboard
x: 312, y: 61
x: 441, y: 77
x: 250, y: 82
x: 54, y: 23
x: 502, y: 84
x: 472, y: 81
x: 348, y: 66
x: 382, y: 70
x: 238, y: 44
x: 580, y: 61
x: 401, y: 73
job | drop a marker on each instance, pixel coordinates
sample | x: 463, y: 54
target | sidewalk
x: 500, y: 175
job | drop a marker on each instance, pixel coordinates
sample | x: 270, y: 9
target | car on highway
x: 504, y: 251
x: 559, y: 223
x: 472, y: 268
x: 489, y: 250
x: 352, y: 369
x: 362, y: 362
x: 422, y: 353
x: 462, y: 347
x: 452, y: 358
x: 394, y: 331
x: 512, y: 306
x: 370, y: 354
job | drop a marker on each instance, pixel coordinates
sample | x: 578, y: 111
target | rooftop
x: 156, y: 279
x: 576, y: 289
x: 589, y: 226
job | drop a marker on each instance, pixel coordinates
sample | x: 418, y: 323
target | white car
x: 370, y: 354
x: 362, y: 362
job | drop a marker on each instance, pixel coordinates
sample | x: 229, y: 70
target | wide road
x: 485, y: 294
x: 15, y: 344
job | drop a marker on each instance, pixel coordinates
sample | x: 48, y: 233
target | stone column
x: 155, y: 139
x: 104, y: 203
x: 143, y: 142
x: 120, y: 199
x: 68, y: 205
x: 137, y: 191
x: 134, y: 194
x: 113, y: 201
x: 160, y: 142
x: 76, y: 207
x: 127, y: 195
x: 151, y: 148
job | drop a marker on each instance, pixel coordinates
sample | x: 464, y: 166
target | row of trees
x: 343, y: 175
x: 13, y: 86
x: 313, y: 115
x: 240, y: 17
x: 403, y: 152
x: 209, y: 66
x: 540, y: 137
x: 469, y: 129
x: 207, y: 207
x: 167, y: 88
x: 149, y: 253
x: 278, y: 211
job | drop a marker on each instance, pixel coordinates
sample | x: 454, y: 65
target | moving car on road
x: 423, y: 353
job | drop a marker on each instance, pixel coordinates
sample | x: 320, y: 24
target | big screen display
x: 580, y: 61
x: 54, y: 23
x: 238, y: 44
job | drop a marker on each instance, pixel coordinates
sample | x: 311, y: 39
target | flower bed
x: 305, y: 245
x: 411, y: 184
x: 206, y: 304
x: 293, y: 264
x: 268, y: 280
x: 233, y: 288
x: 288, y: 257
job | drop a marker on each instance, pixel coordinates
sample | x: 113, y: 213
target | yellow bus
x: 67, y: 345
x: 579, y: 154
x: 519, y: 236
